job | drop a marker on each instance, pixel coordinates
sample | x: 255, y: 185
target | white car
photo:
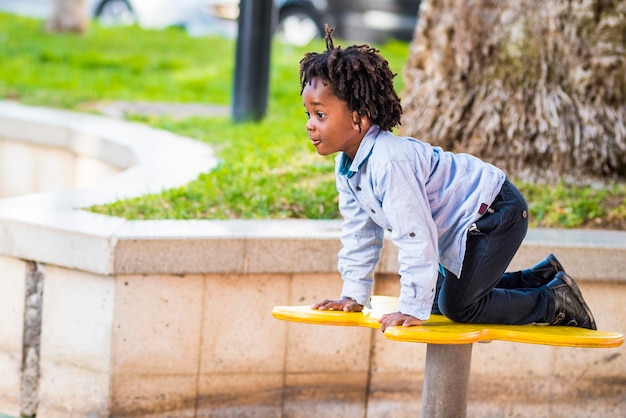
x: 153, y: 14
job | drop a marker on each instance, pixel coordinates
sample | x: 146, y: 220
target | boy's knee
x: 454, y: 312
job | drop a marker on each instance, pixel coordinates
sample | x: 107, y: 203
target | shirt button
x: 358, y: 188
x: 412, y: 234
x: 373, y: 211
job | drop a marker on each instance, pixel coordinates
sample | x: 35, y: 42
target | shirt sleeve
x: 362, y: 243
x: 406, y: 207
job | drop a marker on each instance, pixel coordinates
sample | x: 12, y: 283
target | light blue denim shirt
x: 425, y: 197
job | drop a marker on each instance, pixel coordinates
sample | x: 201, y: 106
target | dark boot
x: 571, y: 309
x: 543, y: 272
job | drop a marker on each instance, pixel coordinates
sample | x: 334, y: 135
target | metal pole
x: 256, y: 18
x: 446, y: 380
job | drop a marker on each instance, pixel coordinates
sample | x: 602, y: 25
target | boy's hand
x: 346, y: 305
x: 397, y: 318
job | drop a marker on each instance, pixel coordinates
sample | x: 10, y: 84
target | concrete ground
x: 120, y: 109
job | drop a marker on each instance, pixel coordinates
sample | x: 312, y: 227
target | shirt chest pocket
x: 372, y: 206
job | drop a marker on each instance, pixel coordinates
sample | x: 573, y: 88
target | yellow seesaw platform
x: 440, y: 330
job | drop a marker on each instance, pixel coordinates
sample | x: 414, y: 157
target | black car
x: 371, y: 21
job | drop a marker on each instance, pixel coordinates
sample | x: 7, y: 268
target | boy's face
x: 331, y: 126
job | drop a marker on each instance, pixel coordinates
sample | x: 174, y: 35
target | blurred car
x: 298, y: 22
x: 372, y: 21
x: 152, y: 14
x: 301, y: 21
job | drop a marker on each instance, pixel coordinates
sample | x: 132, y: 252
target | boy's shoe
x: 544, y: 271
x: 571, y: 309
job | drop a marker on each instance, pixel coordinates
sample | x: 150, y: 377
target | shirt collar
x: 349, y: 167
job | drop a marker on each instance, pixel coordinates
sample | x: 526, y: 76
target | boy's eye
x: 319, y: 115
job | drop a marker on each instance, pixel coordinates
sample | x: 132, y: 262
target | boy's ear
x: 362, y: 117
x: 355, y: 117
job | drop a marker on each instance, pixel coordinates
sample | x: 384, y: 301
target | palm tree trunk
x: 535, y: 87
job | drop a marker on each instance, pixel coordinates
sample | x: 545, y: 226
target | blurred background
x: 298, y: 21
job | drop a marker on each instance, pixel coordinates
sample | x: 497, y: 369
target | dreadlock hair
x: 358, y: 75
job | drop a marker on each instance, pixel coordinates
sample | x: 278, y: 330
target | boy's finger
x: 320, y: 304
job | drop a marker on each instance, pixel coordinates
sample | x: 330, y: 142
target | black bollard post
x: 256, y: 19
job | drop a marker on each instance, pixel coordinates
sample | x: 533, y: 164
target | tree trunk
x: 536, y: 87
x: 67, y: 16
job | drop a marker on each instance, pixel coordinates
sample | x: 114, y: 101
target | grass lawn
x: 267, y: 169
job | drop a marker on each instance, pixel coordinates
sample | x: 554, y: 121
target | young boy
x: 439, y: 207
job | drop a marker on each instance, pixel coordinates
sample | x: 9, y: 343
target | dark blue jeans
x: 484, y: 293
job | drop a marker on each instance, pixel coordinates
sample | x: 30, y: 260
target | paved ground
x: 120, y: 109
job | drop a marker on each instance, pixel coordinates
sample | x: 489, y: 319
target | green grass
x: 66, y: 70
x: 571, y: 207
x: 267, y: 169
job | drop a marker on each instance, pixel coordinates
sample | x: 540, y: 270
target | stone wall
x: 183, y: 342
